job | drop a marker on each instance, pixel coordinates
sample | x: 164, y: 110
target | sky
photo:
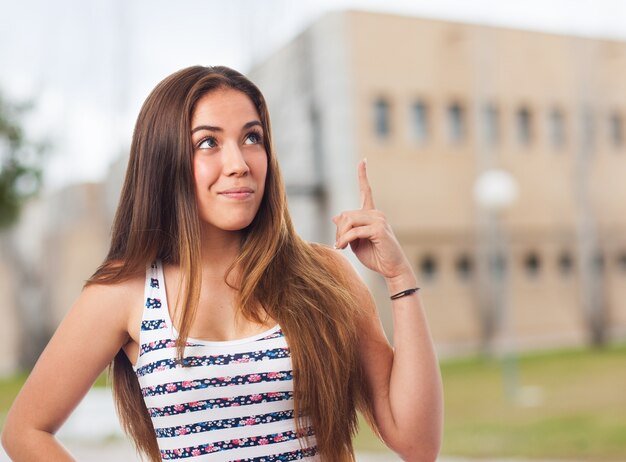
x: 88, y: 64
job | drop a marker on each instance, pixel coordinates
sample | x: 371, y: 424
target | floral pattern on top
x: 277, y: 334
x: 284, y: 457
x: 214, y: 360
x: 154, y: 324
x: 235, y: 443
x: 153, y: 303
x: 200, y: 427
x: 217, y: 403
x: 215, y: 382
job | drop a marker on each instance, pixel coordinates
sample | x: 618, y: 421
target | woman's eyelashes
x: 207, y: 143
x: 210, y: 142
x: 253, y: 137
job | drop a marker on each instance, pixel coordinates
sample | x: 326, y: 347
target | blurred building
x: 76, y: 242
x: 59, y: 242
x: 432, y: 105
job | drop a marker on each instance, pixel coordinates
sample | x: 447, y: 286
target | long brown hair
x: 298, y: 284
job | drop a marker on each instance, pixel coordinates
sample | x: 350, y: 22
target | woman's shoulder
x: 121, y: 292
x: 107, y: 306
x: 117, y: 289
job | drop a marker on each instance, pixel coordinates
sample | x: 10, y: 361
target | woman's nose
x: 233, y: 160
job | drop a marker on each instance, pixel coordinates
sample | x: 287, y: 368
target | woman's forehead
x: 224, y: 104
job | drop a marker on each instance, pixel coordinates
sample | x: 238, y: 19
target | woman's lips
x: 237, y: 193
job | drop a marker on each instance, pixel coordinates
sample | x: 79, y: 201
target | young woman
x: 231, y: 338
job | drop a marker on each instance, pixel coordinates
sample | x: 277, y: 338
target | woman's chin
x: 231, y: 226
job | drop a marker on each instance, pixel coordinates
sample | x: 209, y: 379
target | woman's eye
x: 252, y: 138
x: 207, y: 143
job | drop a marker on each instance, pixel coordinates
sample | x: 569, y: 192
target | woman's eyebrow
x: 210, y: 128
x: 252, y: 124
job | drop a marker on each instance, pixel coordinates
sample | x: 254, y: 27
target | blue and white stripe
x: 232, y: 401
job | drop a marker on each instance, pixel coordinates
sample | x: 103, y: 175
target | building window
x: 523, y: 122
x: 491, y: 123
x: 556, y: 128
x: 381, y: 118
x: 616, y: 130
x: 566, y: 263
x: 456, y: 123
x: 464, y: 267
x: 532, y: 264
x: 419, y: 118
x: 428, y: 268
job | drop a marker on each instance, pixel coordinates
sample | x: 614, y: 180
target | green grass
x: 562, y: 405
x: 574, y: 407
x: 10, y: 387
x: 579, y: 412
x: 567, y: 405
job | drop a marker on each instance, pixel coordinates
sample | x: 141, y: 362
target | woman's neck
x: 218, y: 252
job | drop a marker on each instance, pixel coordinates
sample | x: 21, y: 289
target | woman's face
x: 230, y: 162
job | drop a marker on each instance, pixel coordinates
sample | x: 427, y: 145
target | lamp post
x: 495, y: 191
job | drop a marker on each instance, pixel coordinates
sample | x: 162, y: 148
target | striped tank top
x: 232, y: 401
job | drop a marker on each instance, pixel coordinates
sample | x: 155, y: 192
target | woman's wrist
x: 401, y: 282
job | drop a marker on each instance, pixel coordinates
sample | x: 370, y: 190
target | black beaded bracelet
x: 404, y: 293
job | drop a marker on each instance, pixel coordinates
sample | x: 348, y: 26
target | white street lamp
x: 495, y: 190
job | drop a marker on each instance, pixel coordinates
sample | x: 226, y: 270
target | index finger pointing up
x: 367, y: 201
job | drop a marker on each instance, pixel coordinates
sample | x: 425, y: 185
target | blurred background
x: 495, y: 134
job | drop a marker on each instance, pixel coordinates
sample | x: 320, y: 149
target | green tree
x: 20, y: 162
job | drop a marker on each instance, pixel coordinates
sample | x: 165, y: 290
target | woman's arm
x: 405, y: 381
x: 89, y: 337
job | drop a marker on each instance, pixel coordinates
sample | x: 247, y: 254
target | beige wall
x: 426, y: 189
x: 407, y: 58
